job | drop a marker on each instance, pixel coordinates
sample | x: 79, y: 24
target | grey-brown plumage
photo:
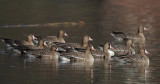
x: 123, y: 50
x: 139, y: 58
x: 28, y: 41
x: 58, y: 38
x: 102, y: 54
x: 84, y: 44
x: 31, y: 47
x: 45, y: 53
x: 78, y: 56
x: 135, y: 37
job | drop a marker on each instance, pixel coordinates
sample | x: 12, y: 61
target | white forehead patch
x: 92, y: 47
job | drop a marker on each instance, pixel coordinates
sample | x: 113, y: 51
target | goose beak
x: 65, y: 34
x: 147, y: 52
x: 145, y: 28
x: 133, y: 45
x: 93, y: 49
x: 111, y: 47
x: 90, y: 39
x: 45, y: 44
x: 34, y: 37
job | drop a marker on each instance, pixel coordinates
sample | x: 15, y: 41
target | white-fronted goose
x: 45, y: 53
x: 58, y: 38
x: 124, y: 50
x: 139, y: 58
x: 101, y: 47
x: 139, y: 37
x: 40, y: 45
x: 11, y: 42
x: 102, y: 54
x: 78, y: 56
x: 85, y: 40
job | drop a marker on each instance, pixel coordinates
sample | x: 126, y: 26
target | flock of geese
x: 127, y: 47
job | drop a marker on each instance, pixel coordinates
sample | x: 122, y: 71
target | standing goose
x: 119, y: 36
x: 11, y: 42
x: 136, y: 58
x: 124, y: 50
x: 45, y: 53
x: 78, y: 56
x: 85, y: 40
x: 58, y: 38
x: 102, y: 54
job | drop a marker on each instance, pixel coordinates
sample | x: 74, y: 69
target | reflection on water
x: 101, y: 17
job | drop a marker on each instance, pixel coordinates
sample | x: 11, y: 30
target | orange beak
x: 145, y: 28
x: 111, y: 47
x: 45, y: 44
x: 93, y: 49
x: 34, y: 37
x: 147, y: 52
x: 65, y: 34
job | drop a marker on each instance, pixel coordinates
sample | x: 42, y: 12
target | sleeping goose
x: 79, y: 56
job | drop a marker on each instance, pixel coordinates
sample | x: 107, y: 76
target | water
x: 101, y: 17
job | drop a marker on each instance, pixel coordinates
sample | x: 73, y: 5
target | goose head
x: 62, y: 33
x: 53, y: 48
x: 141, y: 29
x: 85, y: 40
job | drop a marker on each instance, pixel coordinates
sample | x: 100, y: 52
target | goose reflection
x: 138, y: 72
x: 87, y: 66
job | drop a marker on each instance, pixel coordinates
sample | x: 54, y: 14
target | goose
x: 58, y: 38
x: 124, y: 50
x: 79, y: 56
x: 85, y: 40
x: 101, y: 47
x: 139, y: 37
x: 136, y: 58
x: 102, y: 54
x: 11, y: 42
x: 44, y: 53
x: 25, y: 48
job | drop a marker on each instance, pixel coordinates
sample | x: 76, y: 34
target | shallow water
x: 101, y: 17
